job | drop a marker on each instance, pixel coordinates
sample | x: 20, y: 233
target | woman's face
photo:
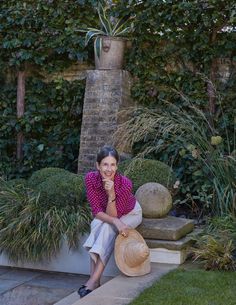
x: 107, y: 167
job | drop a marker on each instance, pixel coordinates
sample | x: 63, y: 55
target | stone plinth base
x: 170, y: 251
x: 161, y: 255
x: 180, y: 244
x: 168, y: 228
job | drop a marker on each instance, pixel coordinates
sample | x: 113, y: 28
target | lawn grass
x: 191, y: 287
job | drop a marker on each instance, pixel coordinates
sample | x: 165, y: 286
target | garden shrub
x: 217, y: 253
x: 216, y: 246
x: 41, y: 175
x: 34, y: 222
x: 62, y: 189
x: 141, y: 171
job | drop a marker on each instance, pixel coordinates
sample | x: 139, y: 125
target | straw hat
x: 132, y: 254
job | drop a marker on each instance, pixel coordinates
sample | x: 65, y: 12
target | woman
x: 115, y: 210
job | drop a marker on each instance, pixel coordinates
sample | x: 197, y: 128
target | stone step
x: 122, y: 289
x: 180, y: 244
x: 169, y: 251
x: 172, y: 251
x: 167, y: 228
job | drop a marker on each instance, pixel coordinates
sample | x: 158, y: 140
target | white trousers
x: 102, y: 237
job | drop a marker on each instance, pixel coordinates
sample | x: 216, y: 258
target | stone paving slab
x: 28, y: 295
x: 6, y: 285
x: 35, y: 287
x: 121, y: 290
x: 20, y: 275
x: 55, y: 280
x: 28, y: 287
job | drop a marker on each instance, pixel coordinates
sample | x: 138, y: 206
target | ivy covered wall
x: 41, y: 118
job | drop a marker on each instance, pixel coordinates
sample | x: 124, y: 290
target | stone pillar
x: 107, y: 93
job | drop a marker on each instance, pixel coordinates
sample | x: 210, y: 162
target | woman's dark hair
x: 107, y: 151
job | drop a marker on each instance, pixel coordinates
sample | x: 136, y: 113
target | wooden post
x: 20, y: 104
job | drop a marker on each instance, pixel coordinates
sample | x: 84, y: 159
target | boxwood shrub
x: 41, y: 175
x: 141, y: 171
x: 62, y: 189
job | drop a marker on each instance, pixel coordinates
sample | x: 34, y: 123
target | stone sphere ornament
x: 155, y: 200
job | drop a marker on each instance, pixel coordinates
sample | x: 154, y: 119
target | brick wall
x: 107, y: 93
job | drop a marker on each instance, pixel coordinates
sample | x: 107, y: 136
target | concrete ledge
x: 121, y: 290
x: 69, y: 261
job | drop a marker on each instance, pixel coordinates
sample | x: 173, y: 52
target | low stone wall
x: 66, y: 261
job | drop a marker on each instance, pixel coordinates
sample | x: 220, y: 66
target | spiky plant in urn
x: 110, y: 39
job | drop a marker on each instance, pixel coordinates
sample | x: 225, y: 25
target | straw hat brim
x: 120, y: 245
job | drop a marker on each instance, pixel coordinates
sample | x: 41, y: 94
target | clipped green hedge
x: 141, y: 171
x: 41, y: 175
x: 62, y: 189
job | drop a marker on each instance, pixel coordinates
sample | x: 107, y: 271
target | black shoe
x: 81, y: 288
x: 83, y: 292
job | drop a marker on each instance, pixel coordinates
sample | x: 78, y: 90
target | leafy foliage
x: 216, y: 246
x: 62, y: 189
x: 216, y: 253
x: 109, y: 26
x: 177, y: 46
x: 51, y: 126
x: 33, y: 224
x: 188, y: 128
x: 174, y: 41
x: 141, y: 171
x: 43, y: 174
x: 189, y: 48
x: 43, y: 32
x: 35, y: 37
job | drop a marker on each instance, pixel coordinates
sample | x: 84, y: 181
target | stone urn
x: 110, y: 54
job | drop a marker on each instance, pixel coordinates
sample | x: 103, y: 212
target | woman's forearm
x: 121, y: 227
x: 105, y: 217
x: 111, y: 209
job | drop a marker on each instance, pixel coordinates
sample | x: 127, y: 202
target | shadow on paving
x: 35, y: 287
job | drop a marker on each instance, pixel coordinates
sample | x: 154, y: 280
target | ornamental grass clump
x: 12, y: 183
x: 35, y: 222
x: 217, y: 253
x: 216, y: 246
x: 141, y: 171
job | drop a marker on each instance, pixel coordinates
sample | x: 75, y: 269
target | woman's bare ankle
x: 92, y: 285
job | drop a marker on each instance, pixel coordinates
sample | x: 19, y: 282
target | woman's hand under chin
x: 108, y: 184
